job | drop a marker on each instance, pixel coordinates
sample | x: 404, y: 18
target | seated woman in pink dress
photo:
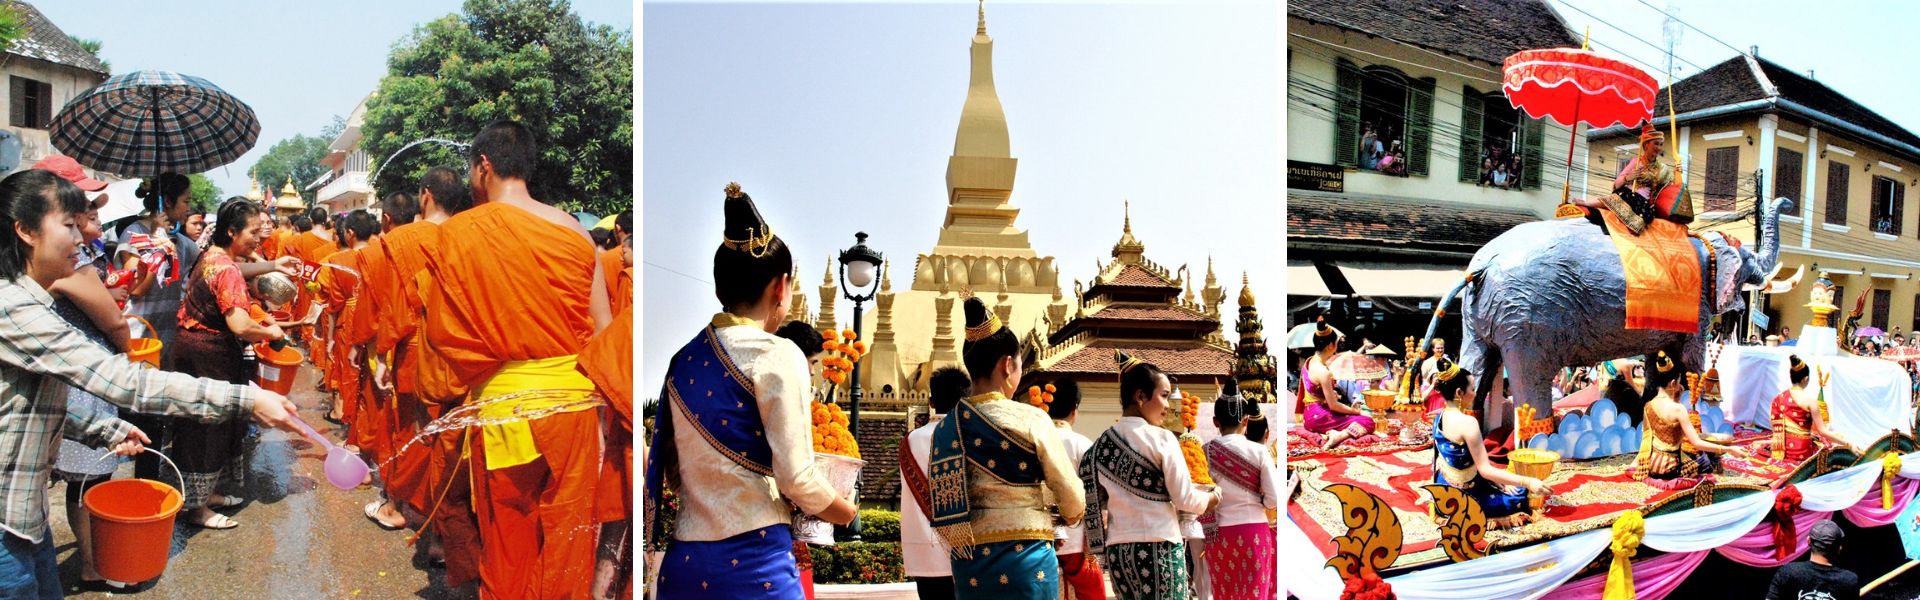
x: 1799, y: 418
x: 1327, y: 413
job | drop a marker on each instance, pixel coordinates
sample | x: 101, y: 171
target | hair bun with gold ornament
x: 1126, y: 361
x: 980, y: 321
x: 1664, y: 363
x: 1795, y: 365
x: 745, y: 231
x: 1445, y: 369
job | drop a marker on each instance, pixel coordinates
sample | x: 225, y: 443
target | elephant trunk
x: 1769, y: 254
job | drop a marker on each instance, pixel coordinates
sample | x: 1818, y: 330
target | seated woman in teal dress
x: 1460, y: 458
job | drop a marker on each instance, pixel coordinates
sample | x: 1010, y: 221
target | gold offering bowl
x: 1379, y: 401
x: 1533, y: 462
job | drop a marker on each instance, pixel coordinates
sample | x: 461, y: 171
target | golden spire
x: 886, y: 277
x: 826, y: 279
x: 983, y: 125
x: 1128, y: 248
x: 1246, y: 290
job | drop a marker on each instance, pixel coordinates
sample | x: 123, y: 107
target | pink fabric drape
x: 1756, y: 548
x: 1653, y: 578
x: 1867, y: 512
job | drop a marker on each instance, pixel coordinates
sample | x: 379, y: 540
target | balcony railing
x: 349, y: 190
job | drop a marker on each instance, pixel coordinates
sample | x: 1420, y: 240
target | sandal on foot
x: 227, y: 502
x: 104, y: 586
x: 373, y: 510
x: 217, y: 521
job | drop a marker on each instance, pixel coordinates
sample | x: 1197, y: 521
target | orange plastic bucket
x: 132, y: 525
x: 145, y: 350
x: 277, y: 368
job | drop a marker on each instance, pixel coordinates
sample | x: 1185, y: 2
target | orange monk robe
x: 356, y: 332
x: 610, y: 266
x: 276, y: 243
x: 507, y: 286
x: 310, y: 248
x: 337, y: 289
x: 608, y: 361
x: 444, y: 492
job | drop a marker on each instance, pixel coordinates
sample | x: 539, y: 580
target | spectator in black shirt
x: 1817, y: 579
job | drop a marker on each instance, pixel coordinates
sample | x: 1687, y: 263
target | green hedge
x: 858, y: 562
x: 879, y: 525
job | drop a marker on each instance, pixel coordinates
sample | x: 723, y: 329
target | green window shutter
x: 1533, y: 136
x: 1471, y: 119
x: 1346, y: 114
x: 1419, y: 144
x: 17, y: 105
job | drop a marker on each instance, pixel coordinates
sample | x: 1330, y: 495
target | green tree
x: 206, y: 195
x: 92, y: 47
x: 532, y: 61
x: 298, y: 156
x: 12, y: 25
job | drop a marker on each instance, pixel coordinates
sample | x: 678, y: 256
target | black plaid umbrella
x: 150, y: 122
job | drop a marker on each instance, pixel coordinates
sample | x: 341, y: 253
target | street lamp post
x: 857, y: 267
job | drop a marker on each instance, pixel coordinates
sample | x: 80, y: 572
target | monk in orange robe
x: 339, y: 285
x: 513, y: 294
x: 311, y: 247
x: 608, y: 361
x: 440, y: 490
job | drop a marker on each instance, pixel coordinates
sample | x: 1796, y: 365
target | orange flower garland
x: 830, y: 434
x: 842, y: 351
x: 1040, y: 397
x: 1190, y: 443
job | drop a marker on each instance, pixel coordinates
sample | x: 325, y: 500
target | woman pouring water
x: 39, y: 351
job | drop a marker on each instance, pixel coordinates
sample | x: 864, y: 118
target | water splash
x: 457, y: 146
x: 468, y: 415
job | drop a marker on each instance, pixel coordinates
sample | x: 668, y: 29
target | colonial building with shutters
x: 1750, y: 128
x: 44, y: 70
x: 1404, y: 157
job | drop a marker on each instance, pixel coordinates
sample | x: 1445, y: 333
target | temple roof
x: 1095, y: 357
x: 1487, y: 30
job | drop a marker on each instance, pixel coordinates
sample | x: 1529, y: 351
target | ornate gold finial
x: 1126, y: 215
x: 826, y: 278
x: 886, y: 277
x: 982, y: 28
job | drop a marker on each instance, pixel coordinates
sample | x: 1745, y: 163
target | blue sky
x: 839, y: 118
x: 1860, y: 49
x: 296, y: 64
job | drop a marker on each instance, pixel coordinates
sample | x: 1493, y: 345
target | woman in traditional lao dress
x: 1672, y: 453
x: 1460, y: 457
x: 1240, y: 561
x: 734, y: 437
x: 993, y: 462
x: 1327, y: 413
x: 1799, y: 415
x: 1137, y: 485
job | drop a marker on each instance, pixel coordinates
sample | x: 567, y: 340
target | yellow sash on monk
x: 541, y: 385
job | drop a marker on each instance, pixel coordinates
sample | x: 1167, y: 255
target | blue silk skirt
x: 1016, y: 569
x: 755, y: 564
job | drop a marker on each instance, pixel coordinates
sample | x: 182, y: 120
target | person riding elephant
x: 1647, y: 188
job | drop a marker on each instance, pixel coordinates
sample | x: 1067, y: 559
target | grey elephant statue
x: 1552, y: 294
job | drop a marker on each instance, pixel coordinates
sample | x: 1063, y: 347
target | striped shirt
x: 39, y: 352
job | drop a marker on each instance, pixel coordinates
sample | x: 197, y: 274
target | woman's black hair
x: 803, y: 335
x: 947, y: 387
x: 232, y: 218
x: 25, y: 198
x: 1257, y: 430
x: 983, y: 354
x: 1137, y: 377
x: 1662, y: 369
x: 1231, y: 407
x: 1066, y: 399
x: 173, y: 187
x: 750, y: 257
x: 1448, y: 387
x: 1797, y: 370
x: 1324, y: 335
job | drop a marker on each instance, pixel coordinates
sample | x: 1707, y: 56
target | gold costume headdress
x: 1127, y: 362
x: 745, y: 231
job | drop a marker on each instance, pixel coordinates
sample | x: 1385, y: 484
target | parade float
x: 1370, y: 518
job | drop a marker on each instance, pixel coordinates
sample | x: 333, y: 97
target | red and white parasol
x: 1576, y: 85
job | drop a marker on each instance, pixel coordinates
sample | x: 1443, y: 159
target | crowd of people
x: 1000, y: 497
x: 474, y: 344
x: 1380, y: 150
x: 1500, y: 167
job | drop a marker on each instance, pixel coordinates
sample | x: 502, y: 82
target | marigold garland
x: 1040, y: 397
x: 1196, y: 458
x: 830, y: 433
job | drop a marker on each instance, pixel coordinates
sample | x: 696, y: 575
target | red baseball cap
x: 67, y: 169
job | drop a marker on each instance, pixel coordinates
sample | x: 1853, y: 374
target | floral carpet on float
x: 1588, y: 495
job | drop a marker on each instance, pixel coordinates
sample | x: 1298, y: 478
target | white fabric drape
x: 1533, y: 571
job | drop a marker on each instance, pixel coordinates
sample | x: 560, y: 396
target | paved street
x: 299, y: 537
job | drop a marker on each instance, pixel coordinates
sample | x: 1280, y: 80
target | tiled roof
x: 1148, y: 313
x: 1488, y: 30
x: 1178, y: 358
x: 1138, y: 276
x: 45, y: 41
x: 879, y: 440
x: 1396, y: 223
x: 1732, y: 81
